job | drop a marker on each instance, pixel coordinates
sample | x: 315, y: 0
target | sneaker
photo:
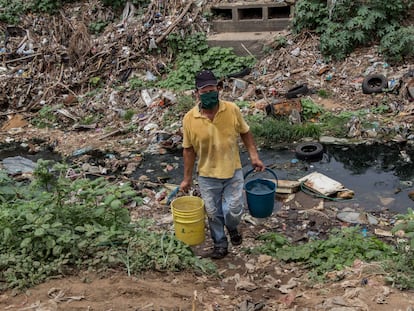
x: 235, y: 237
x: 219, y: 253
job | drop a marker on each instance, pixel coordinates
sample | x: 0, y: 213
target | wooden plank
x: 286, y: 186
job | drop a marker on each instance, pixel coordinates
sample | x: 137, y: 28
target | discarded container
x: 188, y: 216
x: 260, y: 195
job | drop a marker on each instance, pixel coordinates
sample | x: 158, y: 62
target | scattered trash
x: 351, y: 216
x: 18, y: 165
x: 322, y: 184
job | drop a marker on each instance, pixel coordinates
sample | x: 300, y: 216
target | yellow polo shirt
x: 215, y: 142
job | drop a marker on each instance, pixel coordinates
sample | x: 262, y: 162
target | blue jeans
x: 224, y: 204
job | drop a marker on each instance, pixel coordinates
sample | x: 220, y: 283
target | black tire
x: 240, y: 74
x: 309, y: 151
x: 374, y: 83
x: 297, y: 90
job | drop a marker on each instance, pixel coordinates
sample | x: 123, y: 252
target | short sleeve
x: 241, y: 124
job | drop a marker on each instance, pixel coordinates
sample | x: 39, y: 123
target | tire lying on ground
x: 297, y: 90
x: 374, y: 83
x: 309, y: 151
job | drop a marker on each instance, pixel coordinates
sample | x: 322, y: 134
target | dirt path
x: 243, y: 282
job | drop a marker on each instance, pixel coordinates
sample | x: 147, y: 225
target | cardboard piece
x: 322, y: 184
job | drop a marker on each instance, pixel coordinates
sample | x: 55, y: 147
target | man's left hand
x: 258, y: 165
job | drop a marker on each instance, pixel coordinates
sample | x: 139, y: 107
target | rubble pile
x: 84, y: 79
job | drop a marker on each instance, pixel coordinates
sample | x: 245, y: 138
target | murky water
x: 260, y: 187
x: 380, y: 175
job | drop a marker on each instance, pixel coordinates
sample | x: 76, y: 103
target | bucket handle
x: 267, y: 169
x: 172, y: 195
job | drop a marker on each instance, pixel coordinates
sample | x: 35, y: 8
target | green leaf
x: 26, y: 242
x: 80, y: 228
x: 39, y: 232
x: 29, y: 217
x: 116, y: 204
x: 109, y: 199
x: 99, y: 211
x: 7, y: 233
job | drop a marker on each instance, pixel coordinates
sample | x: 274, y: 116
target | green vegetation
x: 56, y: 224
x: 323, y: 93
x: 309, y: 109
x: 193, y: 55
x: 342, y: 248
x: 45, y: 117
x: 174, y: 114
x: 97, y: 27
x: 345, y: 25
x: 269, y: 130
x: 12, y: 10
x: 128, y: 115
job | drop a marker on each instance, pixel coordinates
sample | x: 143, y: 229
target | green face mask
x: 209, y: 100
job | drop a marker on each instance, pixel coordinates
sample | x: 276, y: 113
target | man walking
x: 211, y: 130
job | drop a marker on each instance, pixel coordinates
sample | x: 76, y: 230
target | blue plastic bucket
x: 260, y: 195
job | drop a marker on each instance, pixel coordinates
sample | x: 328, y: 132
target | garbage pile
x: 58, y: 65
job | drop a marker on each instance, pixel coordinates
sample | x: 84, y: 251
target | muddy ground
x: 244, y: 281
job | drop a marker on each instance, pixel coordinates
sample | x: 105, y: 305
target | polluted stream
x: 380, y: 175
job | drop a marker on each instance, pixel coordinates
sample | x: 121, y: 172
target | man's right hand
x: 185, y: 186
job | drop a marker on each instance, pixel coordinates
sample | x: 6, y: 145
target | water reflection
x: 381, y: 158
x: 380, y: 175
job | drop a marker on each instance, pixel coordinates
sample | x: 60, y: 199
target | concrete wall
x: 251, y: 16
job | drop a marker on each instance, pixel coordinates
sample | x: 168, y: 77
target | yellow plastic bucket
x: 188, y: 216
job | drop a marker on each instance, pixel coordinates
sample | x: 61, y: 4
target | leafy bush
x: 12, y: 10
x: 397, y: 45
x: 345, y: 25
x: 195, y: 55
x: 310, y: 15
x: 55, y: 224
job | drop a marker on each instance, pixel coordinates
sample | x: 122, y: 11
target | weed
x: 242, y: 104
x: 55, y: 222
x: 397, y: 44
x: 310, y: 109
x: 95, y: 81
x: 136, y: 83
x: 89, y: 119
x: 381, y: 109
x: 334, y: 125
x: 175, y: 113
x: 338, y: 251
x: 97, y: 27
x: 280, y: 42
x: 193, y: 55
x: 128, y: 115
x: 269, y: 130
x: 45, y: 118
x: 324, y: 93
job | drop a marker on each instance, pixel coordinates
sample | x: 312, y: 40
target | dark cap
x: 205, y: 78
